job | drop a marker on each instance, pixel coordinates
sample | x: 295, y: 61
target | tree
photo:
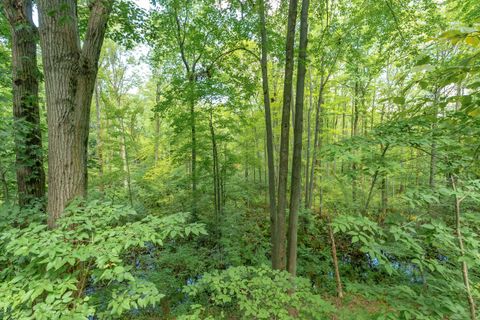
x: 70, y: 71
x: 278, y: 250
x: 268, y: 121
x: 297, y: 143
x: 28, y: 136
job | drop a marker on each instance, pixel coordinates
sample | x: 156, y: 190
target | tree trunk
x: 296, y: 179
x: 316, y: 142
x: 268, y: 125
x: 194, y: 146
x: 28, y: 136
x: 333, y: 246
x: 70, y: 72
x: 216, y: 171
x: 156, y: 115
x: 307, y: 153
x: 433, y: 150
x: 99, y: 140
x: 278, y: 260
x: 126, y: 163
x: 374, y: 178
x: 3, y: 181
x: 458, y: 231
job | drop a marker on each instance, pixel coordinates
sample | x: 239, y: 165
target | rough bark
x: 28, y: 138
x: 296, y: 179
x: 70, y: 71
x: 278, y: 259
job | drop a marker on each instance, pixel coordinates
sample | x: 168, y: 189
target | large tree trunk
x: 268, y: 125
x: 296, y: 188
x: 28, y: 137
x: 70, y: 72
x: 278, y: 259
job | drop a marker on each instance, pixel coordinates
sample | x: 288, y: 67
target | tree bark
x: 28, y: 137
x: 70, y: 73
x: 278, y: 260
x: 296, y: 179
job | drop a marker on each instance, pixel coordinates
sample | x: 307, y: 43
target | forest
x: 240, y: 159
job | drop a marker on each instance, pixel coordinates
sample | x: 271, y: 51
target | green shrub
x: 81, y: 268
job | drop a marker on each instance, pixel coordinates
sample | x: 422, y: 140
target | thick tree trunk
x: 296, y: 180
x: 268, y: 124
x: 28, y: 137
x: 70, y: 72
x: 279, y: 254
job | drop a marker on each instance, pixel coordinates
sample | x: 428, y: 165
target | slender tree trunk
x: 28, y: 136
x: 70, y: 72
x: 354, y: 133
x: 316, y: 142
x: 156, y: 146
x: 216, y: 170
x: 374, y: 179
x: 384, y: 203
x: 458, y: 231
x: 433, y: 149
x: 307, y: 154
x: 336, y: 269
x: 126, y: 163
x: 3, y: 180
x: 193, y: 151
x: 99, y: 139
x: 296, y: 180
x: 280, y: 236
x: 268, y: 126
